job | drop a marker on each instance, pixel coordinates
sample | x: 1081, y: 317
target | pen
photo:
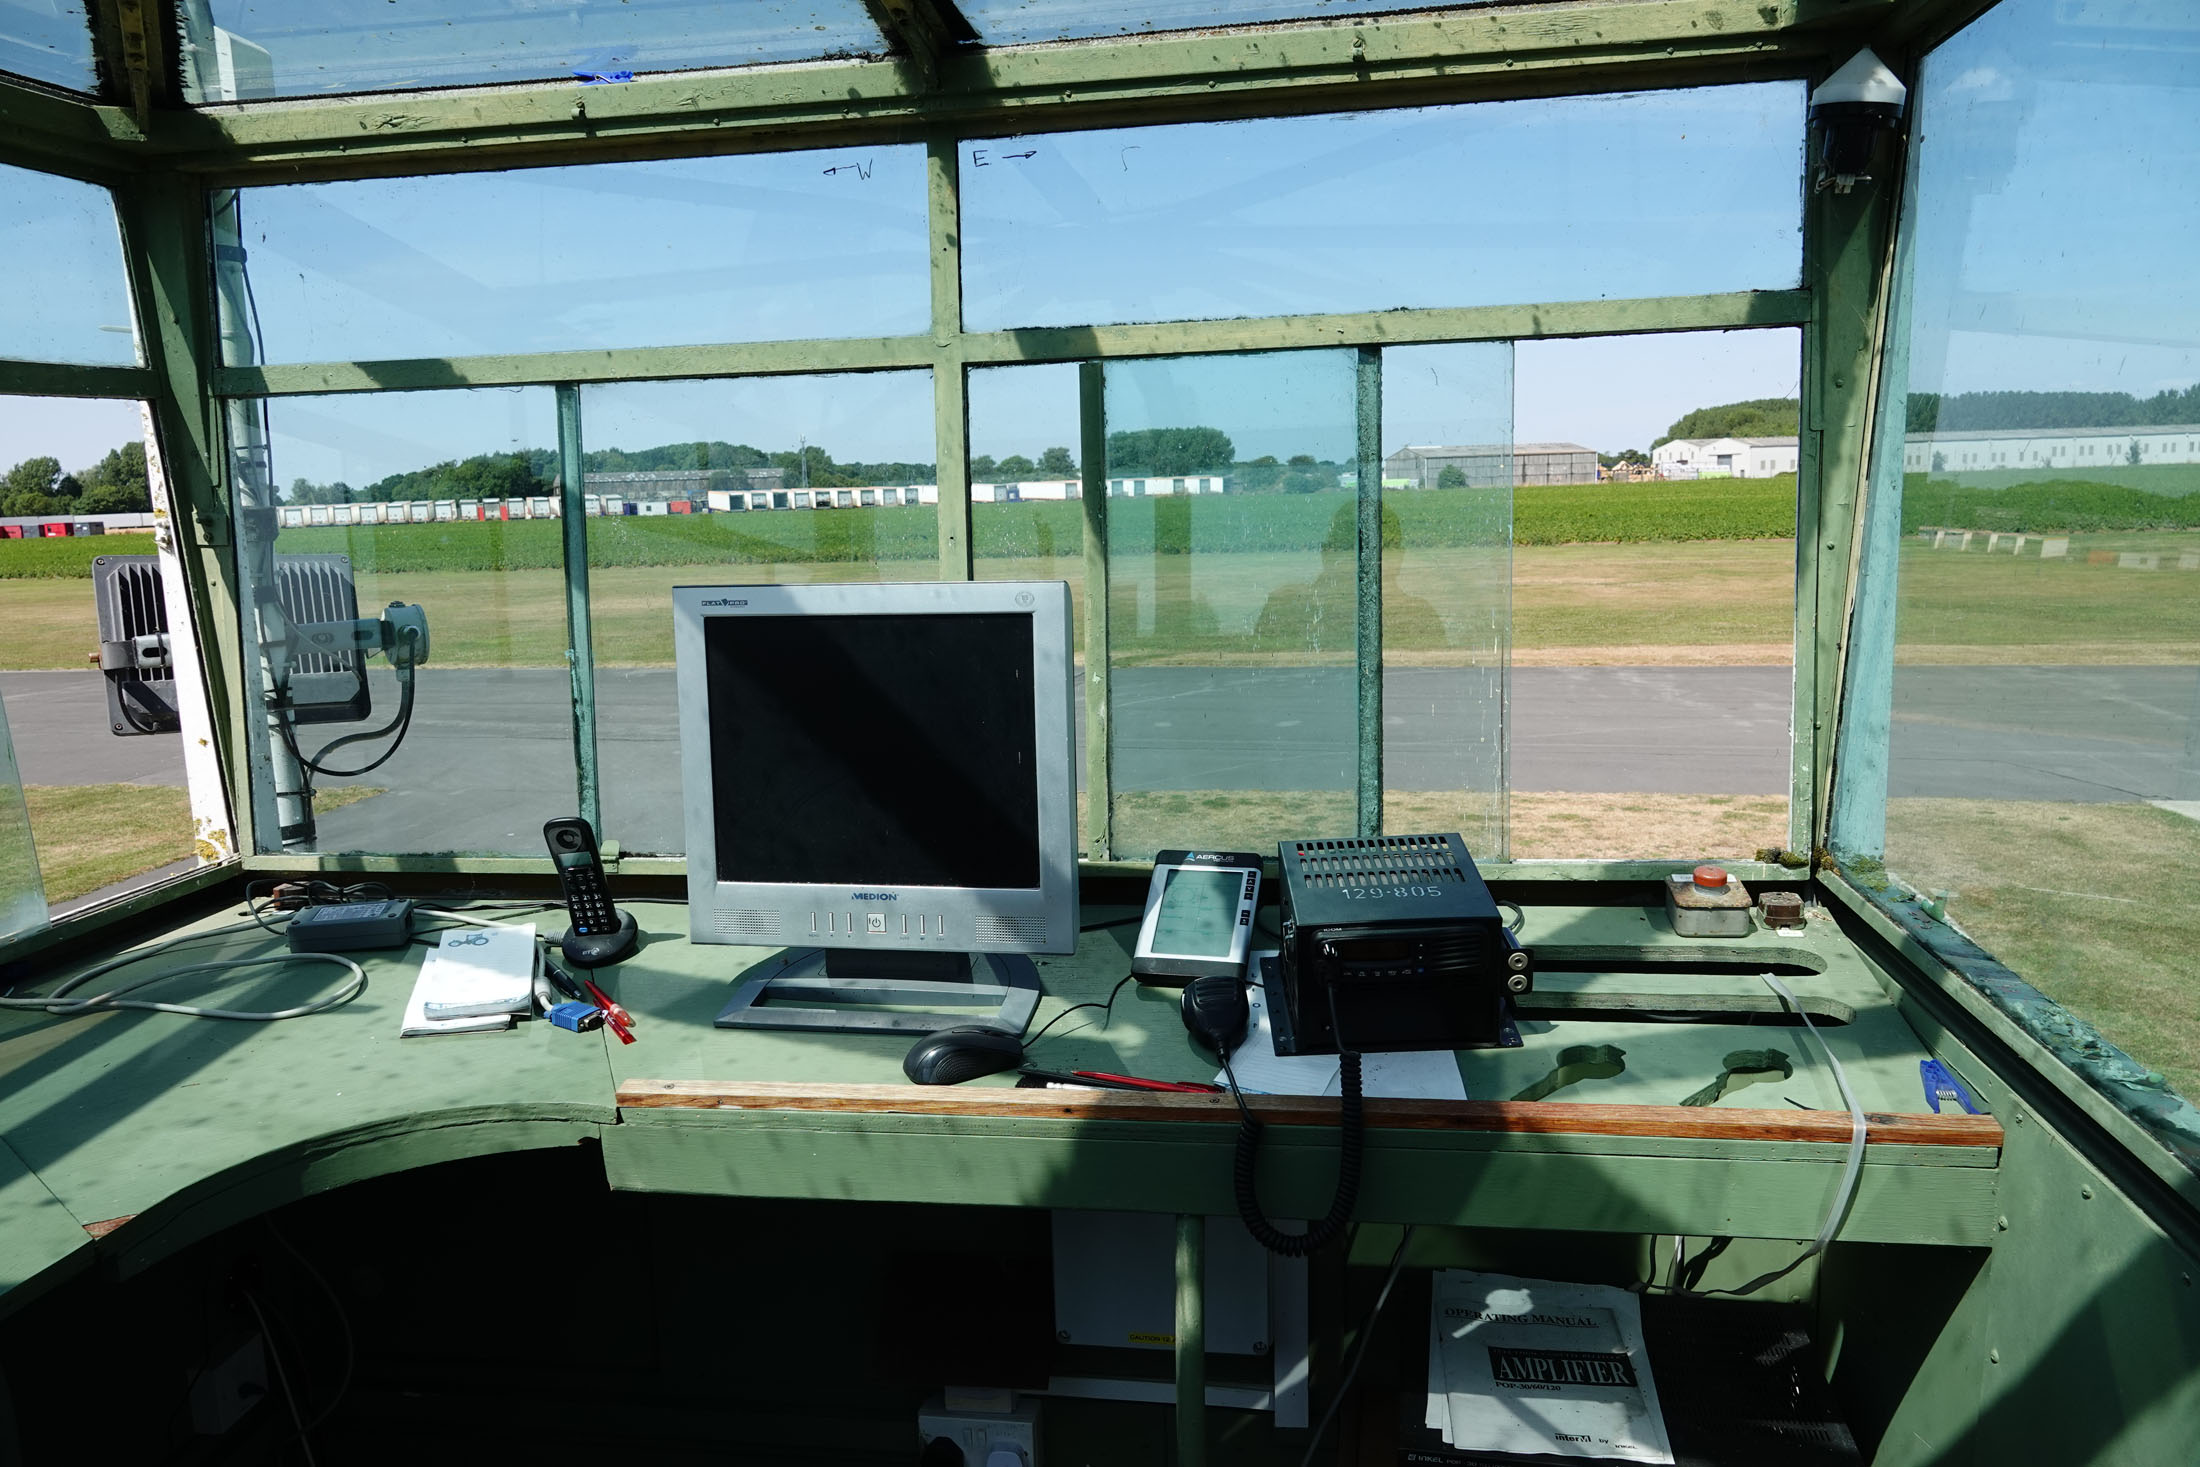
x: 613, y: 1015
x: 1078, y: 1081
x: 1133, y: 1082
x: 561, y: 981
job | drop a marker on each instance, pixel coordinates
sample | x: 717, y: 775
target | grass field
x: 1703, y: 602
x: 93, y: 835
x: 1562, y: 827
x: 2094, y: 904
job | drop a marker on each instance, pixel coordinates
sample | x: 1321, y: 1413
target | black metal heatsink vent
x: 126, y: 589
x: 326, y: 687
x: 1377, y: 860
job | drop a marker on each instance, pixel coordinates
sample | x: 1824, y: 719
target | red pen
x: 1187, y: 1087
x: 613, y: 1015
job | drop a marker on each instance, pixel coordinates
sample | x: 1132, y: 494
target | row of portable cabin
x: 430, y: 511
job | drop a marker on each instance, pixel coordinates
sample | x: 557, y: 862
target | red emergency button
x: 1713, y: 877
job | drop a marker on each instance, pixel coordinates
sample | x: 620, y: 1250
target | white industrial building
x: 1134, y: 487
x: 1484, y: 465
x: 2050, y: 448
x: 1725, y: 458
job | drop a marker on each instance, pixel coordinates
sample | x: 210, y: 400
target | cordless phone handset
x: 599, y: 933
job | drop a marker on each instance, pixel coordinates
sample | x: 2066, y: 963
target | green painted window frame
x: 163, y: 161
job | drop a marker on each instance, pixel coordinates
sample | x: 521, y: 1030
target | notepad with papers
x: 476, y: 978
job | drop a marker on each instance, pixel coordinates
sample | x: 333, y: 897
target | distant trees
x: 1056, y: 463
x: 37, y: 486
x: 1015, y: 466
x: 1635, y: 457
x: 1451, y: 476
x: 117, y: 484
x: 1931, y: 412
x: 1170, y: 451
x: 1760, y: 417
x: 1303, y: 475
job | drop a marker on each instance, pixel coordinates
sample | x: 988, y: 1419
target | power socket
x: 980, y: 1434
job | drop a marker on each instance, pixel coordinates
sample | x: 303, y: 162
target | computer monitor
x: 880, y: 780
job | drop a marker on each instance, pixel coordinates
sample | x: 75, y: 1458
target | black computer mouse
x: 951, y: 1056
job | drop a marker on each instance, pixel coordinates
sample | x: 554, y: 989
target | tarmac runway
x: 490, y: 753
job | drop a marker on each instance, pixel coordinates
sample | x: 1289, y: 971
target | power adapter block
x: 343, y: 927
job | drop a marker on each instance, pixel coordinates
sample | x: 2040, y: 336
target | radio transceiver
x: 1390, y: 943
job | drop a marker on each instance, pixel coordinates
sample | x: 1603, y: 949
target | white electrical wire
x: 470, y: 917
x: 57, y: 1002
x: 1851, y: 1173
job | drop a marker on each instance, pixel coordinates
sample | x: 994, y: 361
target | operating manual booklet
x: 1529, y: 1366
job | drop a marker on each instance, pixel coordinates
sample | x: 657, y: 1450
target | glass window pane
x: 236, y: 50
x: 22, y: 895
x: 741, y: 481
x: 1447, y: 589
x: 1010, y: 22
x: 1027, y: 517
x: 756, y: 248
x: 68, y: 299
x: 2022, y: 738
x: 436, y: 500
x: 1231, y: 597
x: 48, y: 41
x: 103, y: 767
x: 1654, y: 595
x: 1489, y: 203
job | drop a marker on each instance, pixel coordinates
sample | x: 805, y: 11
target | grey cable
x: 351, y: 1349
x: 282, y: 1377
x: 1851, y: 1173
x: 1359, y: 1350
x: 58, y: 1003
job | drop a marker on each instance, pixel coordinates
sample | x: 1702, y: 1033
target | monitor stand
x: 837, y: 990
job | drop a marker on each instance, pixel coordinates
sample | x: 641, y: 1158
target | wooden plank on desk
x: 1679, y: 1122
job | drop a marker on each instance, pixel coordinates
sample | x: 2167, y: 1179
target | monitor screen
x: 1199, y: 911
x: 890, y: 750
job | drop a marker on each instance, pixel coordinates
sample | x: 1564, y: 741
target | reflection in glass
x: 48, y: 41
x: 1012, y: 22
x: 1027, y: 517
x: 440, y: 500
x: 1447, y: 589
x: 68, y: 299
x: 1489, y: 203
x: 753, y: 248
x: 2023, y: 726
x: 22, y: 896
x: 1653, y: 583
x: 1232, y: 705
x: 238, y: 50
x: 109, y: 800
x: 747, y: 480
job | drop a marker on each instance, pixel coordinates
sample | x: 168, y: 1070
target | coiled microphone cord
x: 1350, y: 1136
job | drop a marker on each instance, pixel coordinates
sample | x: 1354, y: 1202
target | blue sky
x: 2053, y: 251
x: 2060, y: 206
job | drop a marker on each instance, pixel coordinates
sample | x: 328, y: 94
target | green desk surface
x: 140, y: 1132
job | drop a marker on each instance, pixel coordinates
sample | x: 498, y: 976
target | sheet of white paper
x: 1430, y: 1074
